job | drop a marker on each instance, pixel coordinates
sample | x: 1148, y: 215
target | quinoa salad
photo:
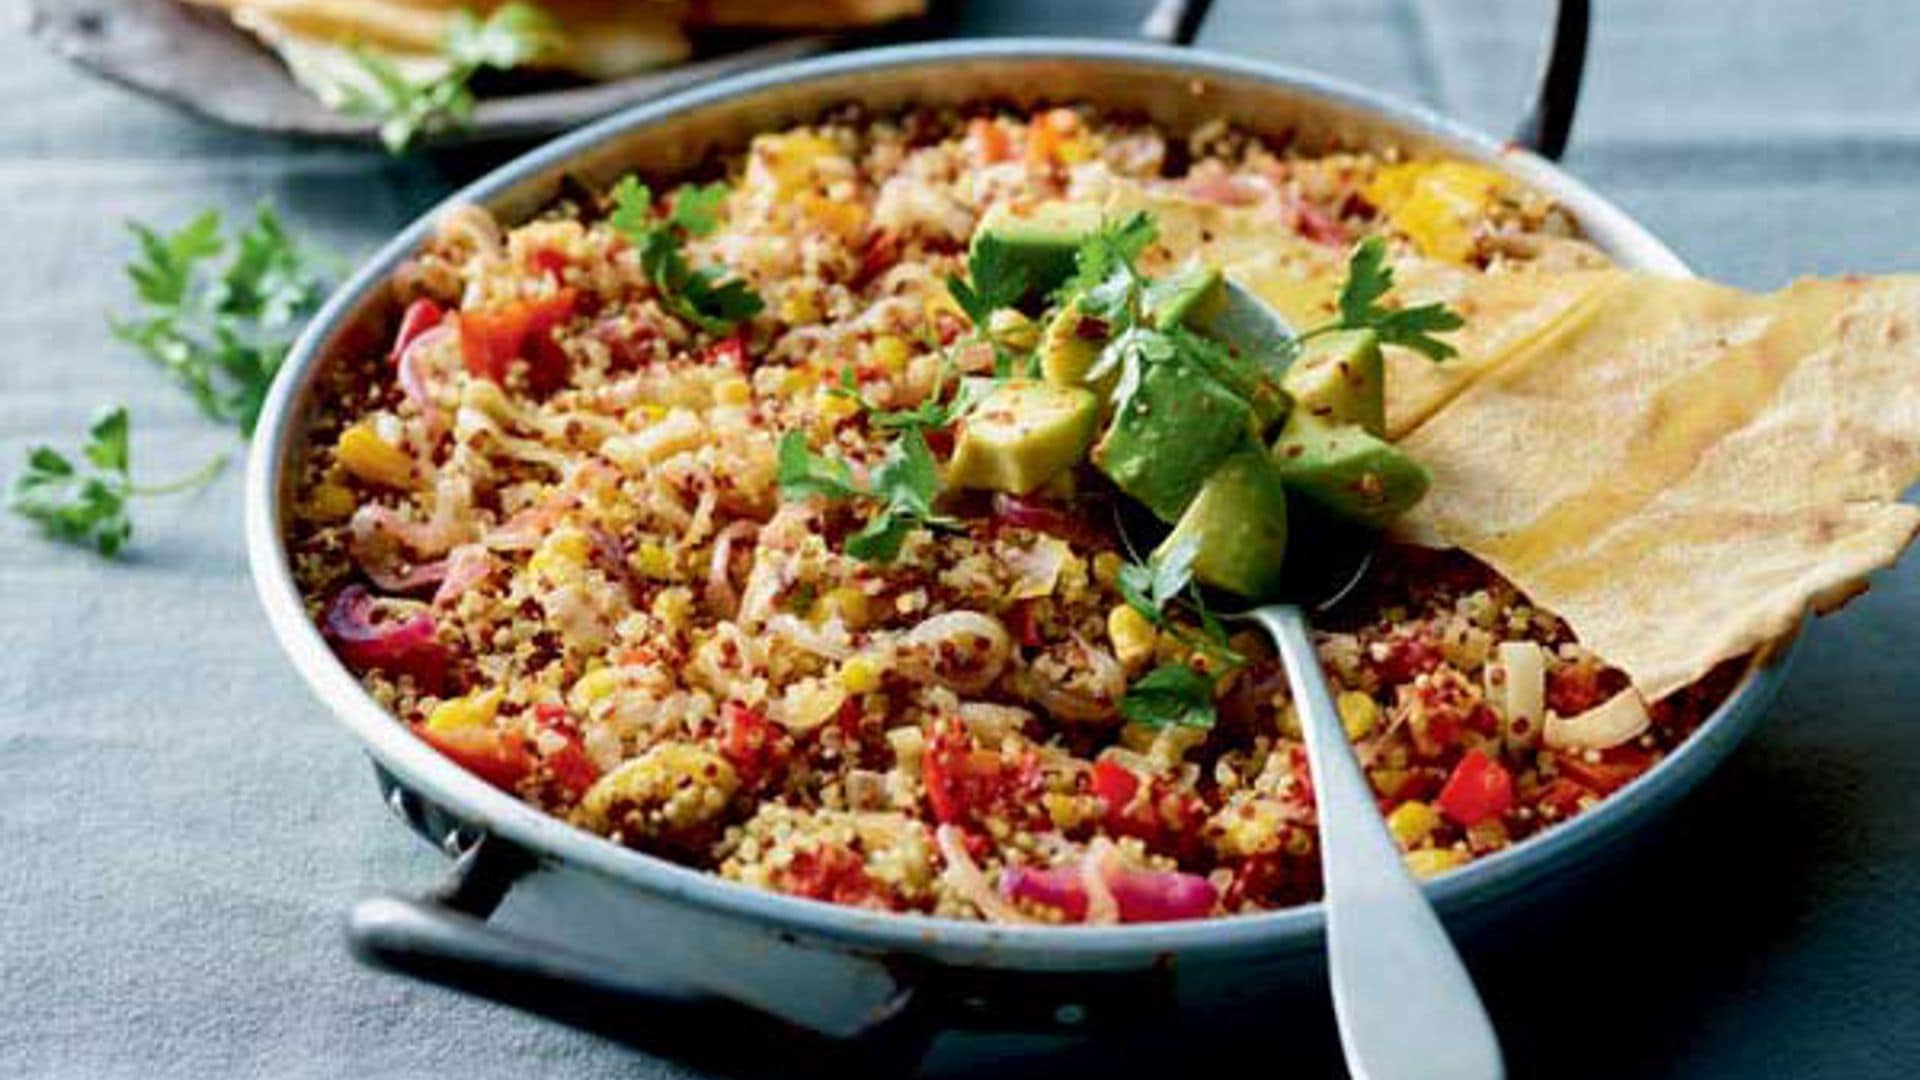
x: 665, y: 511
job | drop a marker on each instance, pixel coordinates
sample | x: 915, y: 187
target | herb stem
x: 194, y: 480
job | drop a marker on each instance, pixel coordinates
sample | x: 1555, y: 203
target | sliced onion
x: 1109, y: 680
x: 1518, y: 682
x: 468, y: 565
x: 963, y: 876
x: 1161, y: 895
x: 1098, y: 892
x: 1096, y: 870
x: 966, y: 650
x: 393, y: 636
x: 721, y: 595
x: 1060, y: 889
x: 1619, y: 719
x: 807, y: 637
x: 413, y: 379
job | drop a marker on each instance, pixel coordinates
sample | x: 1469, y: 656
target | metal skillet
x: 566, y: 924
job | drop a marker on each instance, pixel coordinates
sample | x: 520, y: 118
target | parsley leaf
x: 1109, y: 253
x: 91, y: 508
x: 800, y: 472
x: 704, y: 297
x: 994, y: 281
x: 1148, y: 587
x: 407, y: 108
x: 1170, y: 695
x: 905, y: 484
x: 221, y: 332
x: 1369, y: 279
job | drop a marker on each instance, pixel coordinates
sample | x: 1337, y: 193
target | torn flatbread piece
x: 1682, y: 470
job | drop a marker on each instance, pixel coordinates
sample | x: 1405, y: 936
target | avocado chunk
x: 1340, y: 378
x: 1179, y: 425
x: 1070, y: 346
x: 1023, y: 433
x: 1189, y: 297
x: 1238, y: 524
x: 1352, y: 473
x: 1041, y: 239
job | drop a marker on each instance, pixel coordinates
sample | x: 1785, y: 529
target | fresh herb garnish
x: 1150, y: 586
x: 1369, y: 278
x: 1170, y: 695
x: 90, y: 507
x: 705, y: 296
x: 510, y: 36
x: 1104, y: 266
x: 223, y: 332
x: 994, y: 281
x: 903, y: 485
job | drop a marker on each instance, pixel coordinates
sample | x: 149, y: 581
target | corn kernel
x: 562, y: 554
x: 890, y: 353
x: 330, y: 501
x: 846, y: 603
x: 1132, y: 635
x: 362, y: 452
x: 1358, y: 713
x: 835, y: 407
x: 732, y: 390
x: 799, y: 307
x: 475, y: 710
x: 594, y: 687
x: 789, y: 159
x: 1106, y: 568
x: 1432, y: 862
x: 860, y: 675
x: 1412, y: 822
x: 674, y: 607
x: 796, y: 381
x: 654, y: 561
x: 845, y: 219
x: 1436, y: 203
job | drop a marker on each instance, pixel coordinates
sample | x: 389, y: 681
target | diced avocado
x: 1022, y: 434
x: 1191, y: 297
x: 1163, y: 445
x: 1238, y: 523
x: 1354, y: 474
x: 1042, y: 238
x: 1070, y: 346
x: 1340, y: 378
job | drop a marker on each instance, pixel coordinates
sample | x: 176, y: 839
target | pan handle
x: 443, y: 938
x: 1556, y: 93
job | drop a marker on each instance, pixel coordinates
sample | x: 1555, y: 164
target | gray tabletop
x: 181, y: 826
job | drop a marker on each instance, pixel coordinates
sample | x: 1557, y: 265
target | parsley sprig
x: 1369, y: 278
x: 705, y: 297
x: 902, y: 488
x: 509, y: 37
x: 221, y: 331
x: 1175, y: 693
x: 994, y: 280
x: 89, y: 507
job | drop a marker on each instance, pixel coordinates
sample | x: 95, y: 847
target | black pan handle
x: 1556, y: 94
x: 444, y: 938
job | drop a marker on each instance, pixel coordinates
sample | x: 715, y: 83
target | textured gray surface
x: 181, y: 826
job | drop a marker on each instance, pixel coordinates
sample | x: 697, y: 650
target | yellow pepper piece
x: 890, y: 353
x: 790, y: 159
x: 476, y: 710
x: 654, y: 561
x: 331, y: 501
x: 1436, y: 203
x: 732, y: 390
x: 1432, y: 862
x: 562, y: 555
x: 846, y: 219
x: 594, y: 687
x: 1358, y: 713
x: 362, y: 452
x: 1132, y: 635
x: 846, y: 602
x: 799, y: 307
x: 1412, y: 822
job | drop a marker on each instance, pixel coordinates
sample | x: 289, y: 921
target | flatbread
x: 801, y: 14
x: 1682, y: 470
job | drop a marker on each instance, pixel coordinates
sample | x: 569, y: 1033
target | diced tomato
x: 967, y: 786
x: 421, y: 316
x: 571, y: 767
x: 1615, y: 769
x: 490, y: 341
x: 499, y: 757
x: 1562, y: 796
x: 1480, y: 789
x: 831, y: 872
x: 546, y: 261
x: 1406, y: 657
x: 1024, y: 624
x: 1164, y: 818
x: 729, y: 351
x: 752, y: 744
x: 991, y: 138
x: 939, y: 440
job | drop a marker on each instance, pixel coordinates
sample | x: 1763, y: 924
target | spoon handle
x: 1405, y: 1004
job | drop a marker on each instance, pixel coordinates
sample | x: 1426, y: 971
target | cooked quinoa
x: 565, y: 561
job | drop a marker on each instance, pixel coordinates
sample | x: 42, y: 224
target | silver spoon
x: 1404, y: 1002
